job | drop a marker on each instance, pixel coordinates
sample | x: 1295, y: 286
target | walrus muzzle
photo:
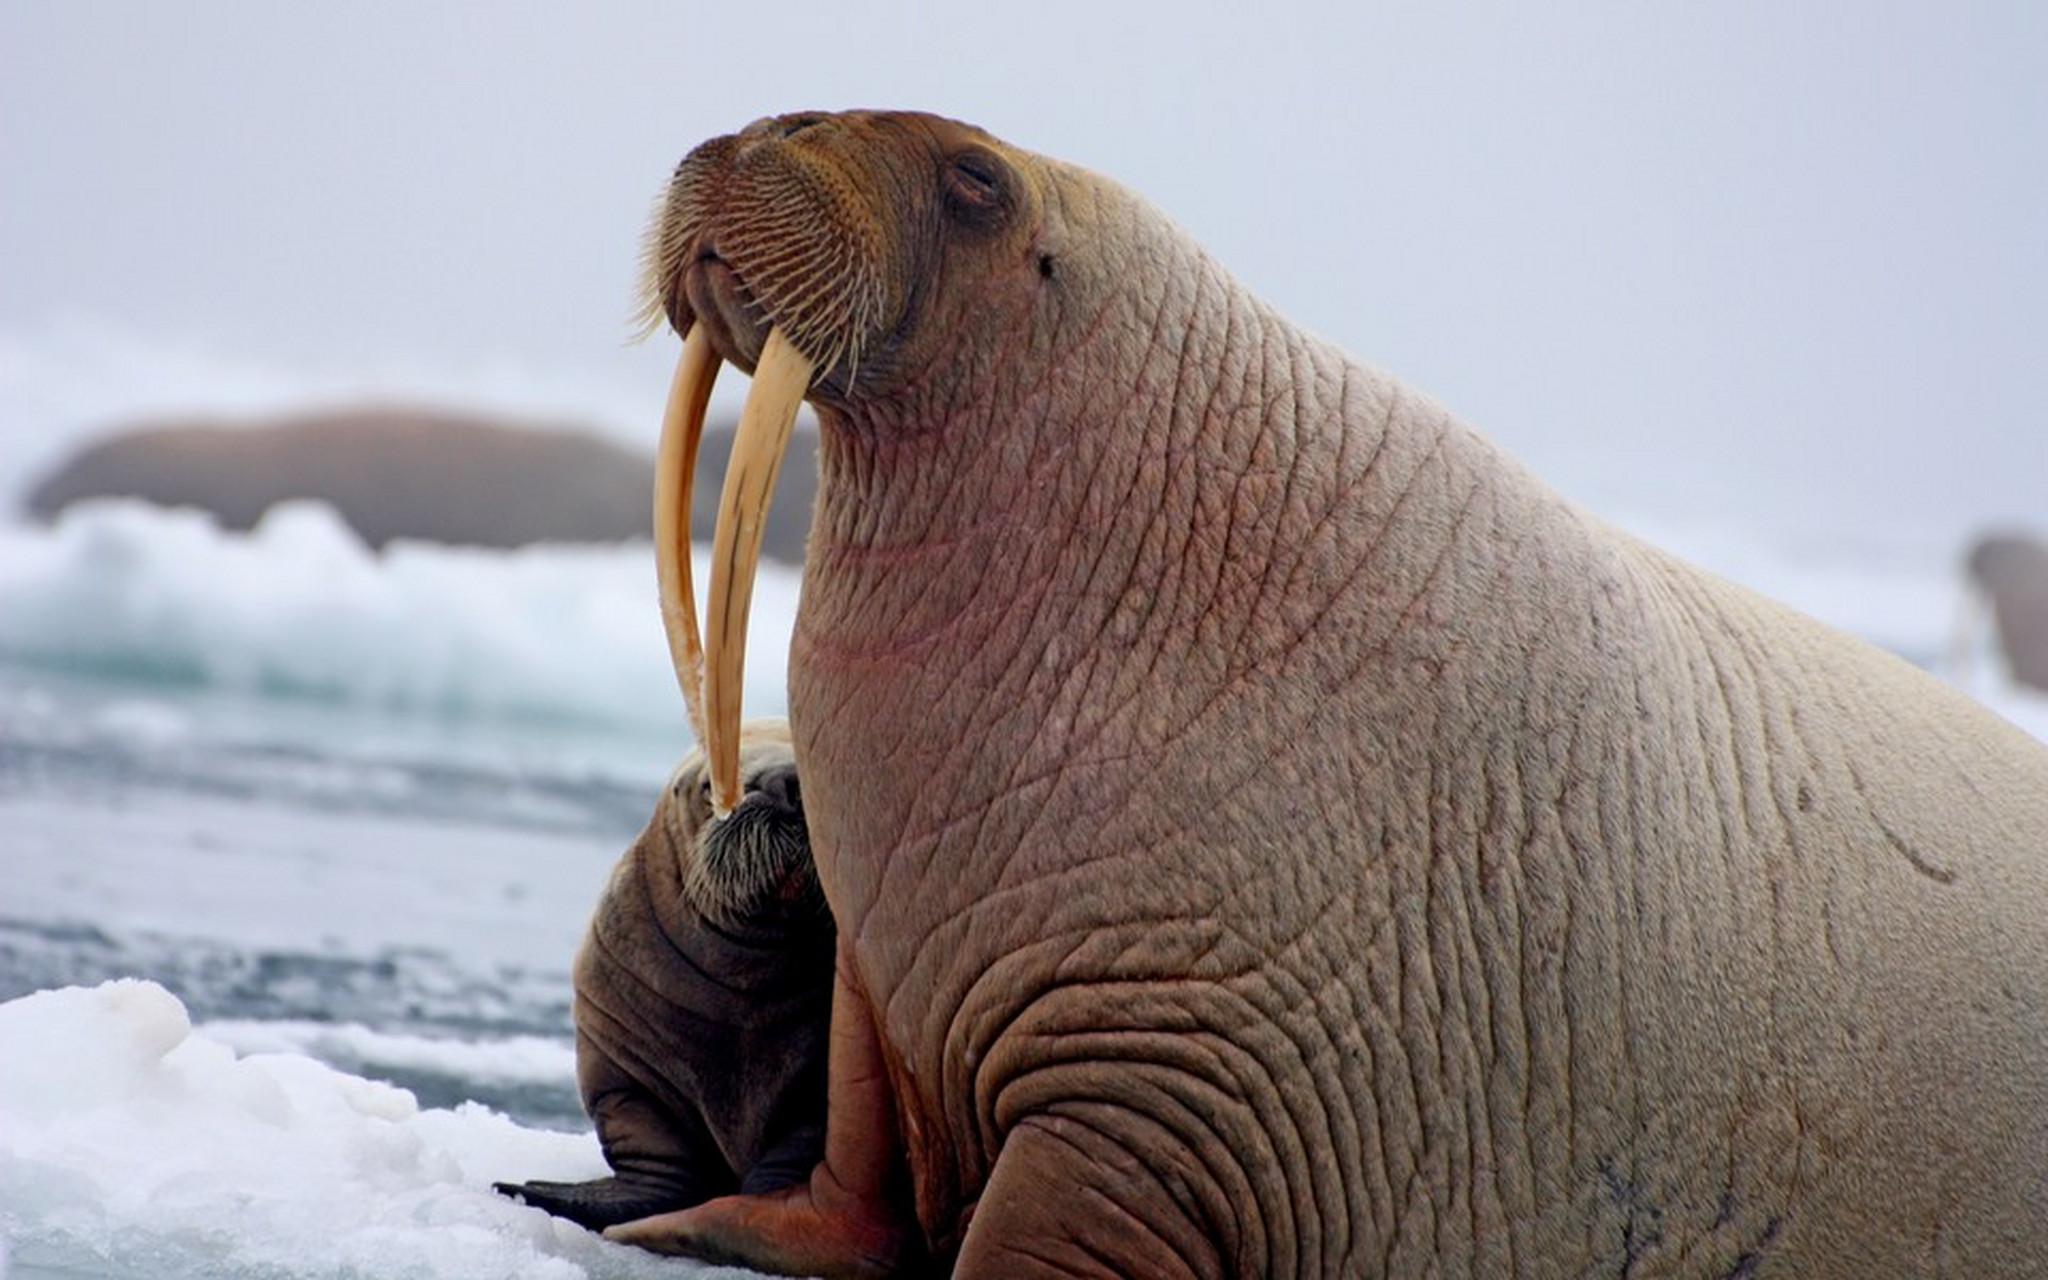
x: 710, y: 665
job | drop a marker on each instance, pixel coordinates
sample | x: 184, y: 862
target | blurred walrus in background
x: 405, y: 472
x: 703, y: 990
x: 2011, y: 569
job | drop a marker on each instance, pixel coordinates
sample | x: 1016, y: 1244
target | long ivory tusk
x: 675, y: 473
x: 781, y: 377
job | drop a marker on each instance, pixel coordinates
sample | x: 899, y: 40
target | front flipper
x: 787, y: 1232
x: 599, y: 1203
x: 1064, y: 1202
x: 786, y: 1162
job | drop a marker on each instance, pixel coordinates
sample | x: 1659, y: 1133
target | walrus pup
x: 1272, y: 834
x: 702, y: 997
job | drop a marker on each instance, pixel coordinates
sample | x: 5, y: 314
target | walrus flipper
x: 787, y: 1162
x: 601, y: 1202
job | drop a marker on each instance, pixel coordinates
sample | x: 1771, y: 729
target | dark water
x: 91, y: 747
x: 420, y: 993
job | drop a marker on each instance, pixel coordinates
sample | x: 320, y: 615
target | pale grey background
x: 1772, y: 262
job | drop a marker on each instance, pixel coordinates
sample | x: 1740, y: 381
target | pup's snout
x: 778, y: 784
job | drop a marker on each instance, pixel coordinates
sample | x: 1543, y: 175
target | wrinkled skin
x: 703, y: 992
x: 1272, y: 834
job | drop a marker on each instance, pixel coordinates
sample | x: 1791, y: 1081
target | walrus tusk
x: 781, y: 377
x: 675, y: 473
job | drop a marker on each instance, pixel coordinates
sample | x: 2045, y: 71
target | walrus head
x: 834, y: 258
x: 754, y: 866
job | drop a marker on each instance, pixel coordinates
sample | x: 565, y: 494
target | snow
x: 135, y: 1145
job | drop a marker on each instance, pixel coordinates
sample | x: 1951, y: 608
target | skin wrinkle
x: 1013, y: 1000
x: 1199, y: 1111
x: 1470, y: 987
x: 1318, y: 1053
x: 1356, y: 1005
x: 997, y: 700
x: 1314, y: 1122
x: 1751, y: 785
x: 673, y: 957
x: 1296, y: 489
x: 1320, y: 526
x: 1297, y: 1154
x: 1195, y: 463
x: 1711, y: 699
x: 1621, y: 891
x: 1375, y: 649
x: 1722, y: 681
x: 1075, y: 693
x: 1200, y: 404
x: 1411, y: 613
x: 1578, y: 970
x: 1540, y: 965
x: 1118, y: 705
x: 1511, y: 1075
x: 1166, y: 1091
x: 1453, y: 1044
x: 1185, y: 1199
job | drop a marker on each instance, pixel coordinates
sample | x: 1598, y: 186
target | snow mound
x: 131, y: 1145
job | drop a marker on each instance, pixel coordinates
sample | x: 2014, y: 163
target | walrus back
x: 1888, y: 870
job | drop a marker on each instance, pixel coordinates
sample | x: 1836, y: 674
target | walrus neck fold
x: 1018, y: 493
x: 1225, y: 476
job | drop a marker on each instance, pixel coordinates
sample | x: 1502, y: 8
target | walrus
x: 401, y: 472
x: 2011, y: 569
x: 1270, y: 832
x: 702, y: 991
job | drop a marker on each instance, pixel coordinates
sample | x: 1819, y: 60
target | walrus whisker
x: 675, y: 470
x: 661, y: 258
x: 741, y: 866
x: 782, y: 375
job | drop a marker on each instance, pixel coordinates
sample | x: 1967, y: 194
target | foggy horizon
x: 1721, y: 264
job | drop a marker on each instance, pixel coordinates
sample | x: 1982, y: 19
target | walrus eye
x: 976, y: 185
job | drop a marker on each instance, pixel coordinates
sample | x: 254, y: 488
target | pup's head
x: 754, y: 865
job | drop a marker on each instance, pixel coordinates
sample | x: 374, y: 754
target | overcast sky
x: 1681, y: 259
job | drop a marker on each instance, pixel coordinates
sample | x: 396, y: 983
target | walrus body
x: 1272, y: 834
x: 702, y: 994
x: 389, y: 472
x: 2011, y: 569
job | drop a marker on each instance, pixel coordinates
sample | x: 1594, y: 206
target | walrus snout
x: 777, y: 226
x: 748, y: 863
x: 777, y: 785
x: 793, y: 249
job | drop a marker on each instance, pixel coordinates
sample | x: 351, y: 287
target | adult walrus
x: 1272, y: 834
x: 390, y: 472
x: 702, y: 991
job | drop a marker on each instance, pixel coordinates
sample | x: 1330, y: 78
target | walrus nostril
x: 778, y: 783
x: 790, y: 126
